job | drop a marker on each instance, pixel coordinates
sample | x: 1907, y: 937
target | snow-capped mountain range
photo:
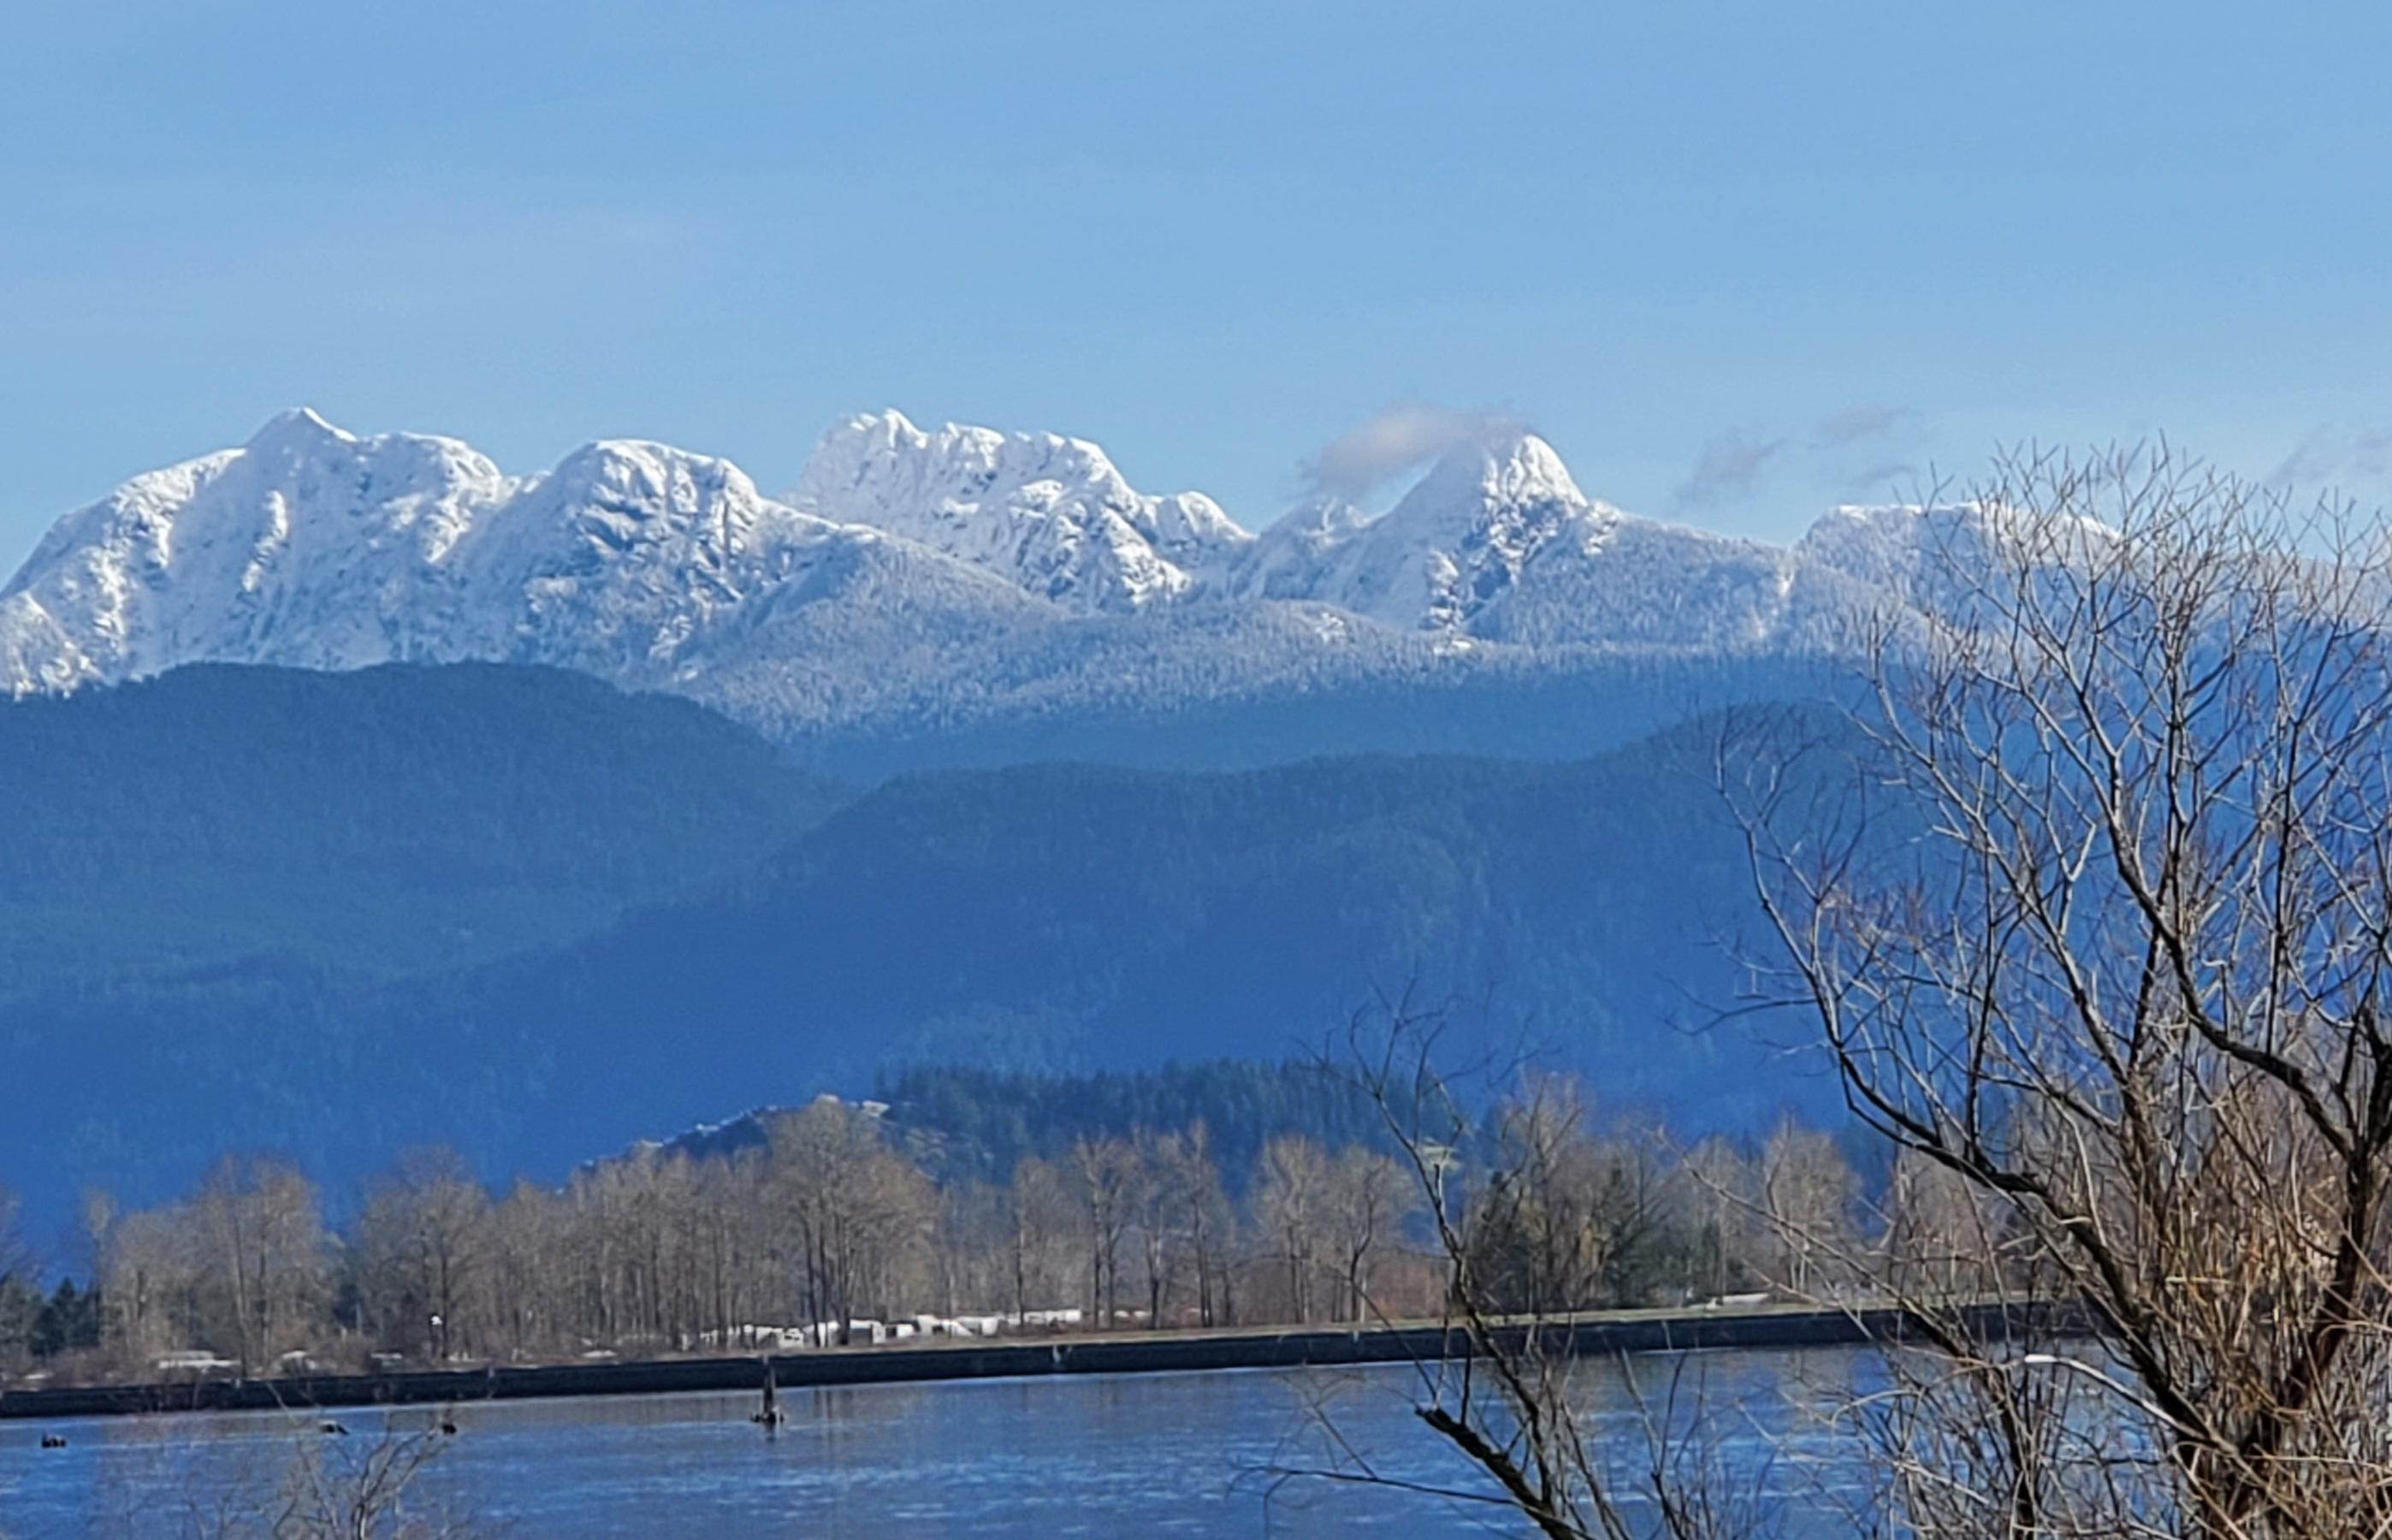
x: 909, y: 576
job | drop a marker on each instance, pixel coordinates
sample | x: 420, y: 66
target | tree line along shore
x: 834, y: 1228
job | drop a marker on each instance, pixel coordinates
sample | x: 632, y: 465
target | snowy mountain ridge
x: 909, y: 576
x: 1050, y: 513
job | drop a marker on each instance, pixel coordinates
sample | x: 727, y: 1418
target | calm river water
x: 1195, y: 1454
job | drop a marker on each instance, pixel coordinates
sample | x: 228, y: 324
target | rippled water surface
x: 1199, y: 1454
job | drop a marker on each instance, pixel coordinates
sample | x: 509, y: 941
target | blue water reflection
x: 1196, y: 1454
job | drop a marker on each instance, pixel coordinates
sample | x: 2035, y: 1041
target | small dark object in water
x: 54, y: 1440
x: 335, y: 1429
x: 447, y: 1428
x: 770, y: 1417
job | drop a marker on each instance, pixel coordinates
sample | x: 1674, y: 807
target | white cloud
x: 1398, y: 437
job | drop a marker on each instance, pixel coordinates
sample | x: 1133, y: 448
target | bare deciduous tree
x: 1191, y: 1184
x: 1108, y: 1175
x: 1808, y: 1195
x: 1292, y: 1197
x: 2092, y: 904
x: 264, y: 1251
x: 1370, y: 1198
x: 420, y: 1252
x: 1505, y: 1393
x: 852, y: 1209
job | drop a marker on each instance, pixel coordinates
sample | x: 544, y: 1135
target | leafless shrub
x: 2092, y: 906
x: 304, y: 1483
x: 1528, y: 1242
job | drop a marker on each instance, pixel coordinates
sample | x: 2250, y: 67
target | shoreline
x: 979, y: 1358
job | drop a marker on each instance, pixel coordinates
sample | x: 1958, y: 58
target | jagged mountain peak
x: 1514, y: 471
x: 1455, y: 542
x: 1894, y: 543
x: 302, y: 436
x: 913, y: 579
x: 856, y: 453
x: 306, y: 545
x: 674, y: 479
x: 619, y: 499
x: 1050, y: 513
x: 316, y: 547
x: 296, y: 428
x: 1938, y: 557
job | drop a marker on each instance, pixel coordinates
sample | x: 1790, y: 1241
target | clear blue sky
x: 1735, y: 261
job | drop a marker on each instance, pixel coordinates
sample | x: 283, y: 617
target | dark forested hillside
x: 225, y: 822
x: 1068, y: 917
x: 1045, y: 918
x: 968, y: 1122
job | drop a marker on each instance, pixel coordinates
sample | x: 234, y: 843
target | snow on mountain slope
x: 36, y: 655
x: 625, y: 552
x: 307, y: 546
x: 313, y: 547
x: 1934, y: 559
x: 1457, y: 539
x: 1497, y: 543
x: 1290, y: 559
x: 913, y: 582
x: 1048, y: 512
